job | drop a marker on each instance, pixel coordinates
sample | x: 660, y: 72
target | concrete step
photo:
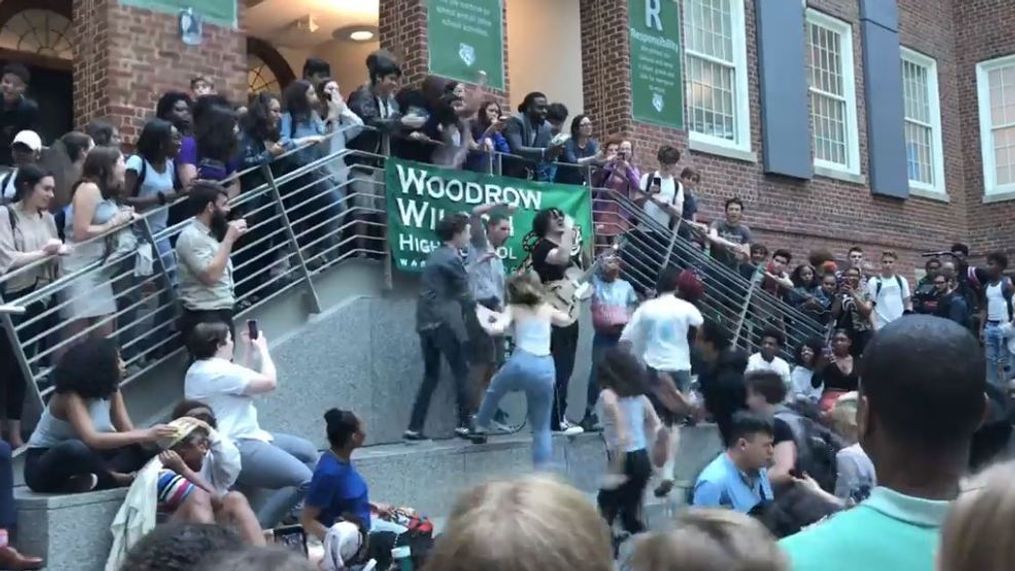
x: 72, y: 531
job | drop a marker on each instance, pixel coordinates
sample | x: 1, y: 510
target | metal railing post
x: 747, y: 304
x: 18, y: 351
x: 499, y: 171
x: 389, y: 264
x: 315, y: 300
x: 166, y: 278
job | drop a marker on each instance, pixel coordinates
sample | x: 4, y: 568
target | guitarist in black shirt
x: 555, y: 250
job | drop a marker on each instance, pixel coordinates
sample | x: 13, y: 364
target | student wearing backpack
x: 889, y: 292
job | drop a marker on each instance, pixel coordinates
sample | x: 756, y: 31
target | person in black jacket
x: 17, y: 112
x: 722, y: 376
x: 445, y: 298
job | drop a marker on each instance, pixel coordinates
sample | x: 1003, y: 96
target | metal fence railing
x: 302, y: 221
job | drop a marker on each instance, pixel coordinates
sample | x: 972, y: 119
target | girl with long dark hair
x: 85, y: 439
x: 27, y: 236
x: 487, y: 131
x: 95, y: 210
x: 216, y: 128
x: 319, y: 204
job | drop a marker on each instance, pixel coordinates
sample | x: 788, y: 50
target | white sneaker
x: 568, y: 429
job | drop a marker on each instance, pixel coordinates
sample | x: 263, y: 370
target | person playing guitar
x: 555, y: 250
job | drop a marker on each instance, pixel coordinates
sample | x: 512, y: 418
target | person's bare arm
x: 783, y: 280
x: 560, y: 319
x: 782, y: 463
x: 86, y: 201
x: 118, y: 413
x: 561, y: 255
x: 308, y: 519
x: 500, y: 324
x: 611, y: 410
x: 81, y: 422
x: 267, y: 379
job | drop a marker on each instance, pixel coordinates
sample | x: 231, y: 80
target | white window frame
x: 991, y: 188
x: 848, y: 65
x: 934, y: 100
x: 742, y: 104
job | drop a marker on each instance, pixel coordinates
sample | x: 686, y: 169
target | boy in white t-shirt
x: 767, y: 358
x: 662, y: 195
x: 890, y: 293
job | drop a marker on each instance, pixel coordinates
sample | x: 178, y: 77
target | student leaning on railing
x: 27, y: 235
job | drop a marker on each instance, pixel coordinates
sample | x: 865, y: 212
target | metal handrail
x: 302, y: 222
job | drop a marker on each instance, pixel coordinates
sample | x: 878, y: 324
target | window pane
x: 711, y: 98
x: 709, y: 28
x: 1004, y: 155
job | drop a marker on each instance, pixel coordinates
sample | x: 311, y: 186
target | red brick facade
x: 126, y: 57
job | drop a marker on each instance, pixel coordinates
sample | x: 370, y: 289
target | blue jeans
x: 996, y: 348
x: 534, y: 375
x: 285, y: 465
x: 601, y: 343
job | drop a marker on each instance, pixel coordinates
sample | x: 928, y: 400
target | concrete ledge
x: 70, y: 531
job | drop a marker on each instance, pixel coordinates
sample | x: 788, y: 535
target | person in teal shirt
x: 921, y: 399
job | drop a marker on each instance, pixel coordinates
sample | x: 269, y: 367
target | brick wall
x: 402, y: 31
x: 983, y: 30
x: 128, y: 57
x: 798, y: 215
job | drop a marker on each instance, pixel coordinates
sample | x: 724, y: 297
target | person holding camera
x: 852, y: 308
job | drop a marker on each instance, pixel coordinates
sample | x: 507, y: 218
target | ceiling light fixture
x: 357, y: 33
x: 361, y: 35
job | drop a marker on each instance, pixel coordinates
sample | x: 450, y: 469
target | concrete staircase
x: 72, y: 531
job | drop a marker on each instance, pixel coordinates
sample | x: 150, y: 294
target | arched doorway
x: 267, y: 70
x: 37, y: 33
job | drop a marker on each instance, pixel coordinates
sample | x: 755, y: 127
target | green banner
x: 657, y: 86
x: 419, y: 195
x: 218, y: 12
x: 466, y: 37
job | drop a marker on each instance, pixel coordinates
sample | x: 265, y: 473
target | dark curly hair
x: 258, y: 123
x: 214, y: 130
x: 89, y: 369
x: 164, y: 108
x: 180, y: 547
x: 816, y: 345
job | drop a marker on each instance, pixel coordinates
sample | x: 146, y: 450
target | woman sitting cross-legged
x: 85, y: 439
x: 337, y: 490
x: 270, y: 461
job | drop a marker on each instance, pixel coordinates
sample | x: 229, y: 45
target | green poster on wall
x: 657, y: 86
x: 218, y: 12
x: 466, y: 37
x: 419, y: 195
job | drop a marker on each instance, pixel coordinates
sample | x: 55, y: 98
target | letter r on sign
x: 653, y: 8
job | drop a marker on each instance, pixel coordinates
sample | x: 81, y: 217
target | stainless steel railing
x: 306, y: 219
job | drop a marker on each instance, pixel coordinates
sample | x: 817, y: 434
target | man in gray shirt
x: 445, y: 299
x: 486, y: 279
x: 202, y: 254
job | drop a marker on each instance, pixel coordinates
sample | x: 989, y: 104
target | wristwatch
x: 162, y: 198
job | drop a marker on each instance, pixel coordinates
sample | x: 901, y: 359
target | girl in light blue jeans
x: 530, y: 368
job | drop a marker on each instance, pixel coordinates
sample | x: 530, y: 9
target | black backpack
x: 816, y: 447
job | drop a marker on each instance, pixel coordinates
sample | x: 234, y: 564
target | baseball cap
x: 30, y: 139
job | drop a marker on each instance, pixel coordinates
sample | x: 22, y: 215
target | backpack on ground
x: 816, y: 447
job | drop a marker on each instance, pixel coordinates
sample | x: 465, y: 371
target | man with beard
x: 529, y: 135
x: 203, y: 250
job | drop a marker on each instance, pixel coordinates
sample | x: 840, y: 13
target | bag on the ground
x: 816, y: 447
